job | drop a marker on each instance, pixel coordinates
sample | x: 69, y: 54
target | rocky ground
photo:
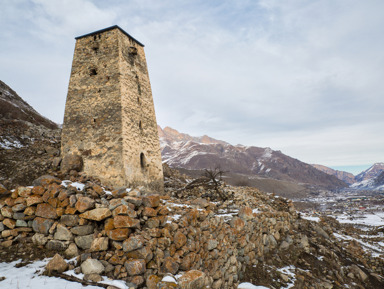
x: 26, y: 151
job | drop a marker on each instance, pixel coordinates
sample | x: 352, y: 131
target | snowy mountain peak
x: 374, y: 171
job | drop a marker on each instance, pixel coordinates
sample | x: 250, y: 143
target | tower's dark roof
x: 107, y: 29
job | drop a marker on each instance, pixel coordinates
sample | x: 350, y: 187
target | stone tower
x: 109, y: 114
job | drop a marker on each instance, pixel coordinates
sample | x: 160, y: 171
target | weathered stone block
x: 45, y: 210
x: 133, y: 243
x: 99, y: 244
x: 125, y: 222
x: 151, y: 201
x: 96, y: 214
x: 63, y: 233
x: 84, y: 242
x: 118, y: 234
x: 193, y: 279
x: 91, y: 266
x: 42, y: 225
x: 82, y: 230
x: 135, y: 267
x: 33, y: 200
x: 84, y: 203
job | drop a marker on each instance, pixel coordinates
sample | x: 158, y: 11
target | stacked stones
x: 141, y: 238
x: 137, y: 238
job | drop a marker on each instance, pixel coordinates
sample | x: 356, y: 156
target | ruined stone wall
x: 139, y: 239
x: 109, y: 99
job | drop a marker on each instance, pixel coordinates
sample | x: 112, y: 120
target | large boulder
x: 92, y: 266
x: 57, y: 264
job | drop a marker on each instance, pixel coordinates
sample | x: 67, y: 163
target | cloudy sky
x: 302, y: 76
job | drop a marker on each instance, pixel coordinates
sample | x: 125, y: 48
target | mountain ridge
x: 349, y: 178
x: 184, y: 151
x: 13, y: 107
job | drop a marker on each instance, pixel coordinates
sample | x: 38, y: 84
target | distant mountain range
x: 370, y: 179
x: 181, y: 150
x: 197, y: 153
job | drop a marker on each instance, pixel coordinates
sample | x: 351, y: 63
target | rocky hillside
x: 13, y: 107
x: 341, y: 175
x: 183, y: 151
x: 28, y: 141
x: 379, y: 180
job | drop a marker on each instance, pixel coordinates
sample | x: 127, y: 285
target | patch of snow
x: 65, y: 183
x: 78, y: 186
x: 268, y: 170
x: 28, y: 277
x: 10, y: 144
x: 289, y: 271
x: 376, y: 250
x: 169, y: 279
x: 363, y: 184
x: 376, y: 219
x: 191, y: 155
x: 247, y: 285
x: 117, y: 283
x: 174, y: 217
x: 310, y: 218
x: 267, y: 153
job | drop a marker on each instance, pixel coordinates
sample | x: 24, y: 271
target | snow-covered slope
x: 371, y: 173
x: 371, y: 179
x: 376, y: 183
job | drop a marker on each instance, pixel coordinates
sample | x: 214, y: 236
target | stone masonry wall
x: 140, y: 137
x: 109, y: 116
x: 140, y: 238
